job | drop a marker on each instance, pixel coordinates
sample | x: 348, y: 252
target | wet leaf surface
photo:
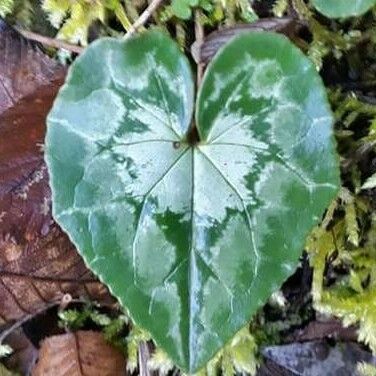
x: 83, y: 353
x: 191, y: 236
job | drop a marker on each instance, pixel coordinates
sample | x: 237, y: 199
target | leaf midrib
x: 242, y: 200
x: 141, y: 215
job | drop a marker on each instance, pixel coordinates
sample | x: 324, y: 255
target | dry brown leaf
x: 83, y: 353
x: 23, y: 67
x: 38, y: 264
x: 204, y: 52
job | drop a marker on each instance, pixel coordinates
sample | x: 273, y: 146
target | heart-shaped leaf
x: 191, y: 236
x: 343, y: 8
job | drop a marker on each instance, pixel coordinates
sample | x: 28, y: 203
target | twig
x: 199, y: 35
x: 146, y: 14
x: 143, y: 358
x: 51, y: 42
x: 28, y: 317
x: 55, y: 303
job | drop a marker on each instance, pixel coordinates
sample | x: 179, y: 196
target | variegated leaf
x: 192, y: 236
x: 343, y: 8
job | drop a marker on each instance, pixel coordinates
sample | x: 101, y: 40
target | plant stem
x: 146, y: 14
x: 31, y: 315
x: 51, y: 42
x: 199, y: 35
x: 143, y: 358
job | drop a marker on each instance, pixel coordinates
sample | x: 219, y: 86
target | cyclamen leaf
x: 343, y: 8
x: 191, y: 238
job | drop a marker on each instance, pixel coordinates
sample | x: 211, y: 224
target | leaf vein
x: 163, y: 95
x: 248, y: 217
x: 141, y: 215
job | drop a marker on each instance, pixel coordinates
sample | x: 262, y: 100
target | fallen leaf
x: 23, y: 67
x: 204, y: 52
x: 270, y: 368
x: 319, y: 330
x: 317, y: 357
x: 38, y: 263
x: 78, y: 354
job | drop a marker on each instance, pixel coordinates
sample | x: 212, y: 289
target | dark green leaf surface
x: 343, y: 8
x: 191, y: 239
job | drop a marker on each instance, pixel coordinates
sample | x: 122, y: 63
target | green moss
x: 6, y: 7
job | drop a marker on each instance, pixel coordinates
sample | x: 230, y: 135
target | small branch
x: 144, y: 355
x: 51, y: 42
x: 28, y: 317
x: 61, y: 303
x: 199, y: 35
x: 147, y: 13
